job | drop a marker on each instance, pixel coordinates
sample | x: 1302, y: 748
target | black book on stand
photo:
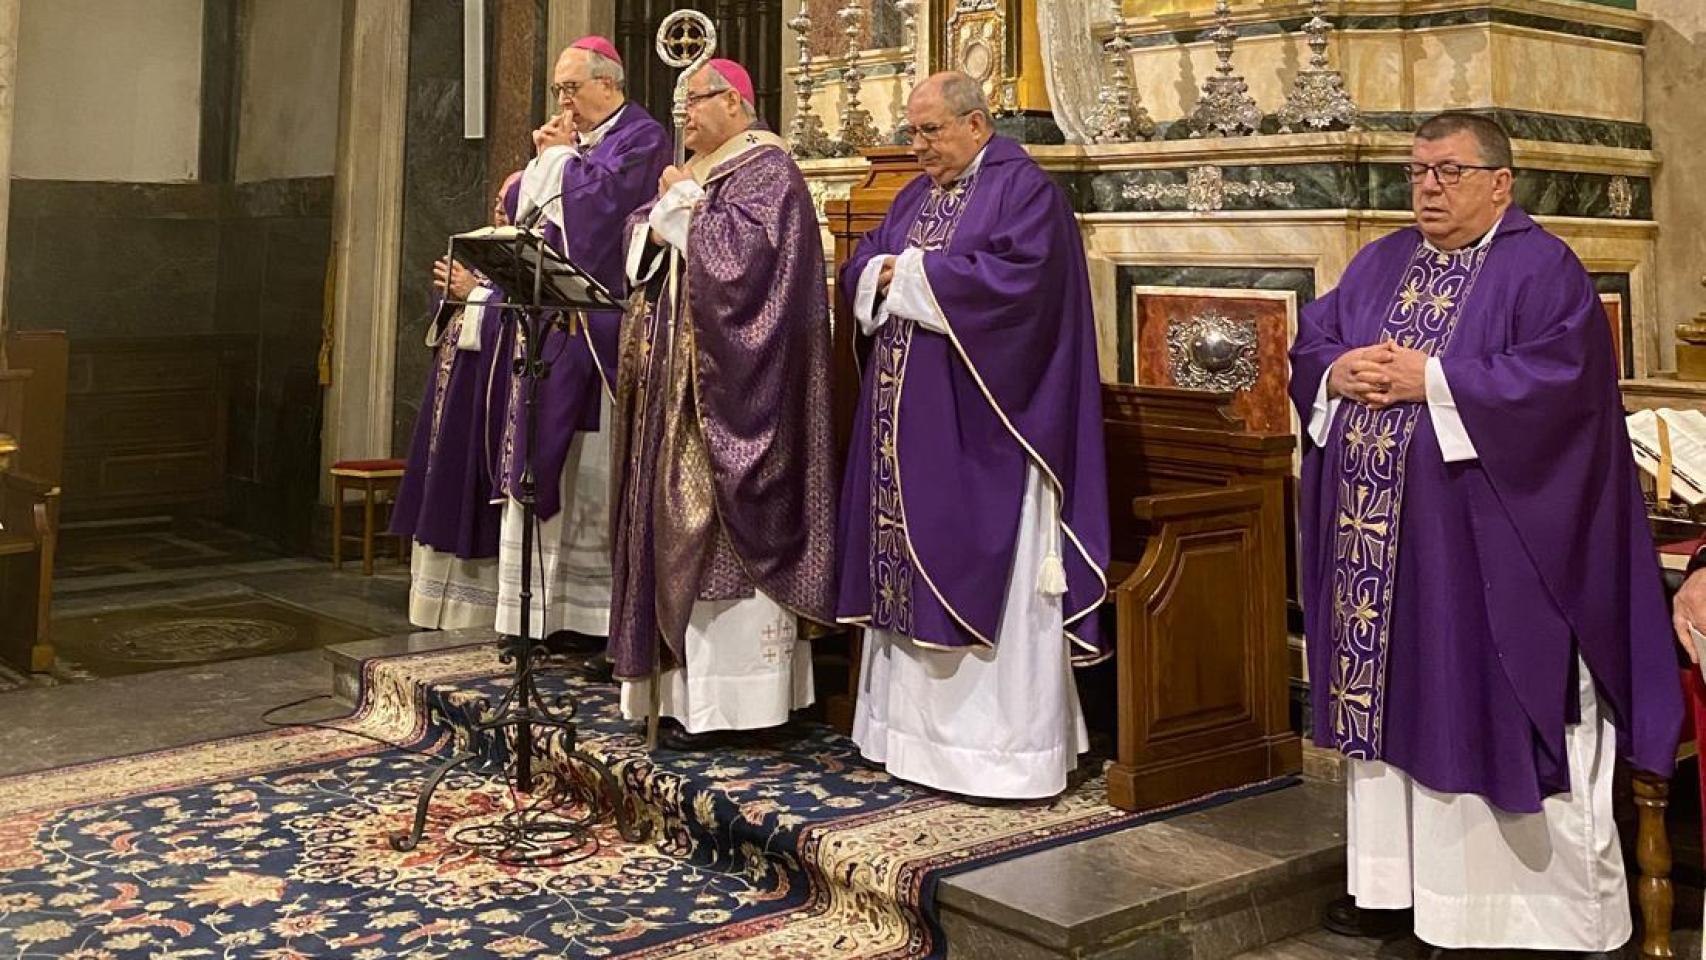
x: 568, y: 802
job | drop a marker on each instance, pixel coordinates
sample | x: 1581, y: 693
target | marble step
x: 346, y: 658
x: 1205, y: 886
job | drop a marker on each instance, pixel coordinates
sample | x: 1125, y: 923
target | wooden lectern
x: 1198, y: 586
x: 1198, y: 579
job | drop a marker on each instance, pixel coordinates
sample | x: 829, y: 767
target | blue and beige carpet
x: 275, y: 845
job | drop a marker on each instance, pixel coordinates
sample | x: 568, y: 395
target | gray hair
x: 962, y: 96
x: 1491, y: 140
x: 598, y: 65
x: 718, y: 83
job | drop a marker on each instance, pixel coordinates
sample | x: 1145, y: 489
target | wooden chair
x: 376, y: 479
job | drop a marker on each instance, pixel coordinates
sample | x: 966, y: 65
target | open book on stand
x: 510, y: 257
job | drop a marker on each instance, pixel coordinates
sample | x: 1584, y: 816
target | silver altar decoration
x: 1212, y: 352
x: 1318, y: 100
x: 856, y: 131
x: 1122, y: 117
x: 1205, y: 190
x: 909, y: 76
x: 806, y: 133
x: 1621, y: 196
x: 1225, y: 108
x: 1074, y: 66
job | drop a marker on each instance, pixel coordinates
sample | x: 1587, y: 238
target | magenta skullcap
x: 600, y: 46
x: 736, y: 75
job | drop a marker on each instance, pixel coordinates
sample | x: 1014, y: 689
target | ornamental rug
x: 275, y: 845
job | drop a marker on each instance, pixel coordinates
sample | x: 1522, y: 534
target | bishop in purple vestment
x: 597, y: 161
x: 444, y: 503
x: 974, y: 511
x: 1485, y: 622
x: 722, y: 460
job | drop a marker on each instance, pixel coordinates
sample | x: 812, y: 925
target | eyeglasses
x: 932, y: 132
x: 1448, y: 174
x: 568, y: 88
x: 694, y: 99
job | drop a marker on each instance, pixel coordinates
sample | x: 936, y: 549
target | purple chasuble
x: 1445, y: 603
x: 948, y: 425
x: 444, y: 500
x: 600, y: 188
x: 722, y: 464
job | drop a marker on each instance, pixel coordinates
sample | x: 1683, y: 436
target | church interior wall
x: 287, y: 122
x: 192, y: 260
x: 275, y: 243
x: 1676, y: 111
x: 449, y: 180
x: 108, y: 92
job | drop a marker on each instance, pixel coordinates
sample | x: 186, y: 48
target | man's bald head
x: 959, y: 93
x: 950, y: 123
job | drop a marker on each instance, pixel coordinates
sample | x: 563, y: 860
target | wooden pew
x: 26, y: 539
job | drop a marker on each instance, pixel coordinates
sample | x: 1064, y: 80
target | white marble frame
x: 367, y: 227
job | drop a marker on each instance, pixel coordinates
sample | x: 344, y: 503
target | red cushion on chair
x: 368, y: 468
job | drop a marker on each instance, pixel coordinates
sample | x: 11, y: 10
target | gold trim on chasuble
x: 893, y: 561
x: 443, y: 358
x: 1370, y: 474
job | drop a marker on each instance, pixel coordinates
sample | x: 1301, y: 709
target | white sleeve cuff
x: 643, y: 260
x: 472, y: 316
x: 909, y: 292
x: 865, y: 298
x: 1322, y: 411
x: 1454, y: 442
x: 673, y: 213
x: 542, y: 183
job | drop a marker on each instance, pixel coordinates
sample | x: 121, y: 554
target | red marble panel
x: 1613, y: 303
x: 1264, y: 406
x: 517, y: 77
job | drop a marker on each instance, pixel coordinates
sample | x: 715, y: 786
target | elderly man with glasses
x: 974, y: 511
x: 723, y: 465
x: 1486, y: 627
x: 598, y: 159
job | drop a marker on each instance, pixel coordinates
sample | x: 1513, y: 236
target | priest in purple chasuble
x: 597, y: 160
x: 444, y: 504
x: 1486, y: 629
x: 974, y: 513
x: 722, y: 454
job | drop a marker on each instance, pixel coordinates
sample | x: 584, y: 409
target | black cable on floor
x: 266, y: 718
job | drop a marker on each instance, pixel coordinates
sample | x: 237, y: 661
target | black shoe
x: 674, y: 737
x: 568, y: 643
x: 598, y: 669
x: 1346, y: 919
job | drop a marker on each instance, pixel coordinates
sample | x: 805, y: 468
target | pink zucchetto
x: 600, y: 46
x: 736, y: 75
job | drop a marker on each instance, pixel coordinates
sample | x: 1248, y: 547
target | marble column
x: 367, y: 212
x: 572, y: 19
x: 8, y: 76
x: 517, y: 77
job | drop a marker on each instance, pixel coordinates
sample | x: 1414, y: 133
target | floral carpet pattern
x: 275, y: 845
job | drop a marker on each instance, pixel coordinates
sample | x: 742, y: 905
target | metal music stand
x: 550, y: 289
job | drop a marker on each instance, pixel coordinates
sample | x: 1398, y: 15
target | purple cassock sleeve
x: 1546, y: 416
